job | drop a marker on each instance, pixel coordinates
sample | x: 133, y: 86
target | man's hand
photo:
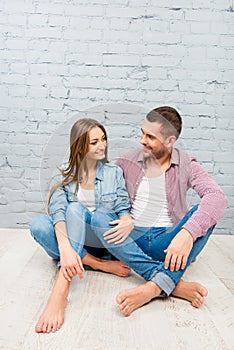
x: 121, y: 231
x: 71, y: 263
x: 178, y: 251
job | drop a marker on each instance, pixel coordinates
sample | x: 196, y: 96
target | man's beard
x: 154, y: 156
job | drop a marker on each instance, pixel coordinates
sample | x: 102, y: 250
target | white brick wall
x: 60, y: 57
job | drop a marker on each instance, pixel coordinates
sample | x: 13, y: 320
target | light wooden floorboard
x: 93, y: 321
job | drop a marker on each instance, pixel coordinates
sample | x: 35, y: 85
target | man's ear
x: 170, y: 141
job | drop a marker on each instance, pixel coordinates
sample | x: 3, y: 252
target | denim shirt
x: 109, y: 191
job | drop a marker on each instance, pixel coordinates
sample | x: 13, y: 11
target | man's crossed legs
x: 143, y: 251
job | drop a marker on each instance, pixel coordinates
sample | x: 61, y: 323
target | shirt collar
x: 140, y: 157
x: 174, y: 157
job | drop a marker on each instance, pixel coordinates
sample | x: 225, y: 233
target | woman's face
x: 97, y: 144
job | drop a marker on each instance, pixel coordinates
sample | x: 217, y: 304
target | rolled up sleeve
x: 58, y: 204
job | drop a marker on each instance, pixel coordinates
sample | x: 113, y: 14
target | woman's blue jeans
x: 79, y: 231
x: 143, y: 250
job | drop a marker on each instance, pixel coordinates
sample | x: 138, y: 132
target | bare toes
x: 197, y: 302
x: 55, y: 326
x: 126, y: 311
x: 120, y: 298
x: 204, y: 292
x: 124, y: 304
x: 38, y: 328
x: 50, y: 328
x: 44, y: 328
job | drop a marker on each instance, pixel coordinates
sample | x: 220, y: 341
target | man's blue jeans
x: 143, y: 250
x: 79, y: 231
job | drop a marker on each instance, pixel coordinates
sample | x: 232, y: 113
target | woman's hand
x: 121, y: 231
x: 71, y: 263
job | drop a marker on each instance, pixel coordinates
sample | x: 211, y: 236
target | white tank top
x: 150, y: 207
x: 86, y: 197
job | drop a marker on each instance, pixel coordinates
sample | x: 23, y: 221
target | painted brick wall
x: 117, y: 59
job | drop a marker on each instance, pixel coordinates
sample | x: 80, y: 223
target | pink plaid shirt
x: 184, y: 172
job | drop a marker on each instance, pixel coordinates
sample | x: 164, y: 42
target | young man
x: 166, y: 235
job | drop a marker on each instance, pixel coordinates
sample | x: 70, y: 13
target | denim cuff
x: 163, y: 281
x: 58, y: 216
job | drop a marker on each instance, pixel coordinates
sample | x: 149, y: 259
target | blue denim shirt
x: 109, y: 191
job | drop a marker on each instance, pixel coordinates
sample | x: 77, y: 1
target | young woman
x: 88, y: 182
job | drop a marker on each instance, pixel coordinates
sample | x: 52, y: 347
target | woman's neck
x: 91, y: 165
x: 87, y: 179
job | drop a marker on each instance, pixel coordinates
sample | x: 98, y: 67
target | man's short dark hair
x: 169, y: 118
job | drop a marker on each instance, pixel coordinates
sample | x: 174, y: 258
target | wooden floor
x: 93, y: 320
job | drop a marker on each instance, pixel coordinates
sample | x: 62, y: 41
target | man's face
x: 152, y: 140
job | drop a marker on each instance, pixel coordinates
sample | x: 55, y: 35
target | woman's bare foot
x: 132, y: 299
x: 191, y: 291
x: 52, y: 317
x: 116, y: 267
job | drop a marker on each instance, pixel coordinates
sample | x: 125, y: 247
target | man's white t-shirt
x: 150, y: 207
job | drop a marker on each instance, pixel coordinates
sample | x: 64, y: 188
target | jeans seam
x: 149, y: 244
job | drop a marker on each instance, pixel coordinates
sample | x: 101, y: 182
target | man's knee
x: 101, y: 219
x: 104, y: 214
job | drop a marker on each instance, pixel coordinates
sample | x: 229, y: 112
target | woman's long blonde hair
x: 79, y: 146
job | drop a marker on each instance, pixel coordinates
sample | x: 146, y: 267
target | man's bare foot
x: 191, y: 291
x: 52, y: 317
x: 132, y: 299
